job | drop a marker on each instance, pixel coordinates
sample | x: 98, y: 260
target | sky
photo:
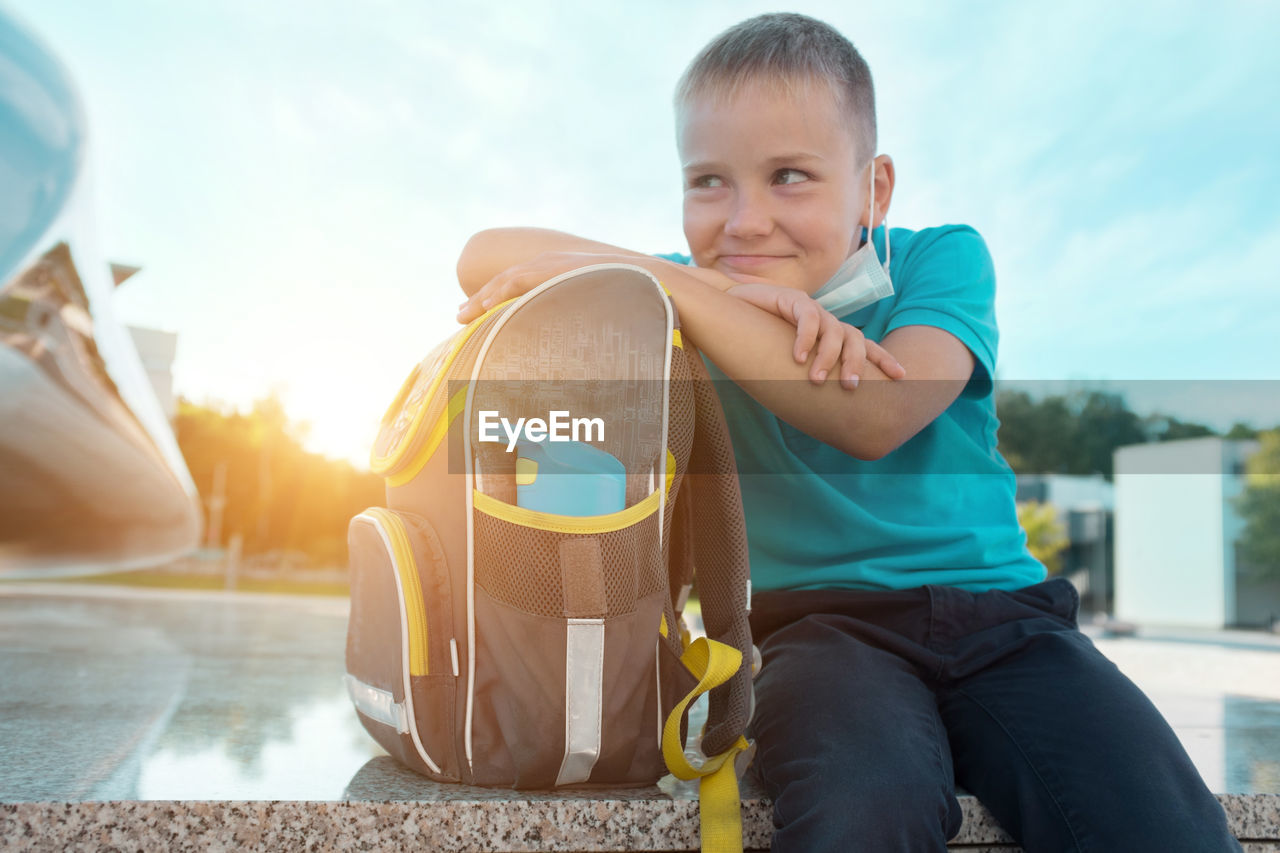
x: 296, y: 180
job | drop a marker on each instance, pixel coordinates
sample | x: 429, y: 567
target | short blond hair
x: 786, y: 49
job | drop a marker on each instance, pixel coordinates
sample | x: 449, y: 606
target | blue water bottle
x: 569, y: 478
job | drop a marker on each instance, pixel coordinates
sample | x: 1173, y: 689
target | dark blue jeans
x: 873, y: 706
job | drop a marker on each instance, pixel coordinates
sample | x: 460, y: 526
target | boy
x: 909, y: 639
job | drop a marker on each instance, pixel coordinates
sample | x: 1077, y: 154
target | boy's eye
x: 789, y: 176
x: 706, y: 182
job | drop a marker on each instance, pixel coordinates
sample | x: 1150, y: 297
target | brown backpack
x: 495, y: 642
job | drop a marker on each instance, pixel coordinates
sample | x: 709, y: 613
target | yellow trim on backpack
x: 381, y: 465
x: 719, y: 803
x: 407, y: 568
x: 572, y: 523
x: 676, y: 339
x: 567, y: 523
x: 438, y: 431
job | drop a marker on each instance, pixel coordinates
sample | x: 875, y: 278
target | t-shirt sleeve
x: 950, y: 283
x: 675, y: 258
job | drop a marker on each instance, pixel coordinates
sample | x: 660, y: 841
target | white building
x: 1084, y: 506
x: 157, y: 349
x: 1176, y: 529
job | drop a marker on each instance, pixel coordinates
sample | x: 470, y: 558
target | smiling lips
x: 750, y: 262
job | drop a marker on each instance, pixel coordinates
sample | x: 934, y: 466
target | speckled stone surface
x: 1253, y: 816
x: 462, y: 819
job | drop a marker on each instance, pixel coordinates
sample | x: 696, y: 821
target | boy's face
x: 773, y: 191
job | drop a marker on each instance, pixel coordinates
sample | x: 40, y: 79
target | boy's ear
x: 884, y: 178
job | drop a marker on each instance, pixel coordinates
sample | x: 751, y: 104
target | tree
x: 1241, y: 430
x: 1065, y: 434
x: 1105, y: 423
x: 1046, y: 536
x: 1259, y: 506
x: 1077, y: 433
x: 278, y: 496
x: 1036, y: 437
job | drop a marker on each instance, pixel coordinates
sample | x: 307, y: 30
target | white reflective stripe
x: 657, y: 681
x: 666, y: 407
x: 453, y: 653
x: 683, y: 598
x: 583, y: 699
x: 748, y: 595
x: 377, y: 704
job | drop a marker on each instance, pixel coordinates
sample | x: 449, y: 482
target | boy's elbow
x: 867, y: 451
x: 470, y: 261
x: 871, y: 445
x: 472, y: 248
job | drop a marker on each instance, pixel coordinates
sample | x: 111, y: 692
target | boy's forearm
x: 490, y: 252
x: 496, y: 249
x: 753, y: 347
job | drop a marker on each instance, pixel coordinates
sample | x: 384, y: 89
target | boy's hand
x: 521, y: 278
x: 836, y: 341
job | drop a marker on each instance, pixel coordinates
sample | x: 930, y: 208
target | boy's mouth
x: 750, y: 262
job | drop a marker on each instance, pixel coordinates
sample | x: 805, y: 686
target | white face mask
x: 861, y: 280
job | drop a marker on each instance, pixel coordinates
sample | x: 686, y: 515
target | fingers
x: 470, y: 308
x: 883, y: 359
x: 807, y: 316
x: 503, y: 286
x: 831, y: 342
x: 852, y: 357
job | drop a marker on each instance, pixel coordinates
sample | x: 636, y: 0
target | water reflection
x: 1251, y: 748
x: 123, y: 695
x: 306, y: 758
x: 163, y: 696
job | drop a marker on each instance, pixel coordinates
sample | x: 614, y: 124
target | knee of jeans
x: 884, y: 809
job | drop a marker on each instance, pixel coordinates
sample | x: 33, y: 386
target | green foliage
x: 1241, y: 430
x: 277, y: 495
x: 1077, y: 433
x: 1046, y: 536
x: 1259, y: 506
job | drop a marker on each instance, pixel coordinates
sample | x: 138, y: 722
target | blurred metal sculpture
x: 90, y: 473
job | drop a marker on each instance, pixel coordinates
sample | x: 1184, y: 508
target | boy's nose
x: 749, y: 217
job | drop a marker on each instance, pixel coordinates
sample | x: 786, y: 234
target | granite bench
x: 145, y: 671
x: 387, y: 807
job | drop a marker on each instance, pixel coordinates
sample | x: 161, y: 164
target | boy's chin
x: 743, y: 278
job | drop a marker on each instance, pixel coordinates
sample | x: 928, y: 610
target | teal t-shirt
x: 939, y: 509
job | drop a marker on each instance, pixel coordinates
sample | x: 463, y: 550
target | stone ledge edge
x: 463, y: 825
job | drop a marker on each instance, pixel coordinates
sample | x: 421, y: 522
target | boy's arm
x: 753, y: 347
x: 496, y: 250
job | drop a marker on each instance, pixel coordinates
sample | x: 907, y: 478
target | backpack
x: 516, y: 608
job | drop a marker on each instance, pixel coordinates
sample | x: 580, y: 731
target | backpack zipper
x: 407, y: 570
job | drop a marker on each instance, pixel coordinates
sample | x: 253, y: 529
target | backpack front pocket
x: 402, y: 659
x: 567, y: 616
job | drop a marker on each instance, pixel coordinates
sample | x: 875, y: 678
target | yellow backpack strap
x: 719, y: 552
x: 719, y: 804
